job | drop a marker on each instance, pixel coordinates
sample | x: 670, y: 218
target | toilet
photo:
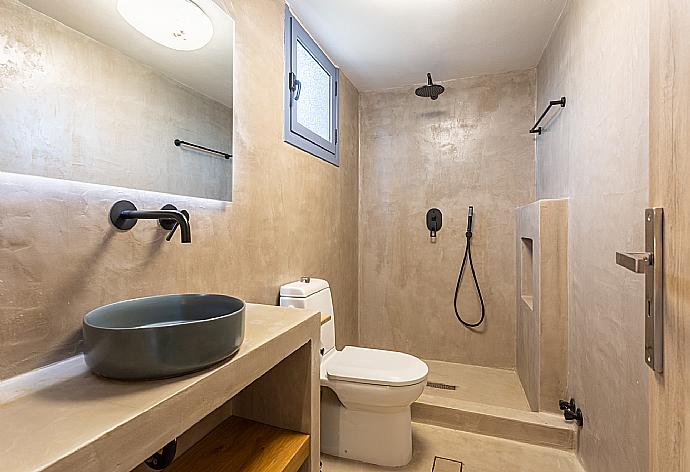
x: 365, y: 393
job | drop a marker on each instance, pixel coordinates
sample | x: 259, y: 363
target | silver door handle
x: 634, y: 261
x: 650, y: 263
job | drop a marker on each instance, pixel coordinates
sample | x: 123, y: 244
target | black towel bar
x: 179, y: 142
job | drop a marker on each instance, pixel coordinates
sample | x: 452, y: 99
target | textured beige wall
x: 470, y: 147
x: 292, y: 214
x: 596, y: 153
x: 72, y: 108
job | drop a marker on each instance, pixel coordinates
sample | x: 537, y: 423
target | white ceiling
x: 207, y: 70
x: 391, y: 43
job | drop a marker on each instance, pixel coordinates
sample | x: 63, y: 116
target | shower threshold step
x: 542, y: 429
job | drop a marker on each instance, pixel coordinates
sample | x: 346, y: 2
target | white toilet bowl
x: 366, y: 394
x: 367, y: 415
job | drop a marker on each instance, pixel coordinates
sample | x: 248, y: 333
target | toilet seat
x: 372, y: 379
x: 374, y: 367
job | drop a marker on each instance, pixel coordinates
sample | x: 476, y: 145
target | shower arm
x: 536, y: 129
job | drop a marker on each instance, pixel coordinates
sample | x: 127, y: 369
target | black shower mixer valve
x: 434, y: 222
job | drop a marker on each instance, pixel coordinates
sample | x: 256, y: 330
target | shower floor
x: 477, y: 384
x: 490, y: 402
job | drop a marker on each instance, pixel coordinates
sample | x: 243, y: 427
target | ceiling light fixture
x: 177, y: 24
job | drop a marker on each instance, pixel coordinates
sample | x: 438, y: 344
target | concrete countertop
x: 63, y: 418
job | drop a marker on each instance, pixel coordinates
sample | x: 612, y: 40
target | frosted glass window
x: 314, y: 103
x: 311, y: 94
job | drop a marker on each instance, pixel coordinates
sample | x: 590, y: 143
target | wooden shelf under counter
x: 239, y: 444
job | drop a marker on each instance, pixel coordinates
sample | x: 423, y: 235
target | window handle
x: 295, y: 86
x: 299, y: 89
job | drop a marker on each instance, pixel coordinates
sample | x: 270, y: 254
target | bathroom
x: 563, y: 124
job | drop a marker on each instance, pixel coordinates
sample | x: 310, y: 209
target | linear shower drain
x: 440, y: 386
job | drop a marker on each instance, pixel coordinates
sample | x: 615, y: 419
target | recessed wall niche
x: 527, y: 271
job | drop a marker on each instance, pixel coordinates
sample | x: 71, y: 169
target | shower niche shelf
x: 528, y: 300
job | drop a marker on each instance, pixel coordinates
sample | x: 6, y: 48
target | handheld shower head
x: 430, y: 90
x: 467, y: 259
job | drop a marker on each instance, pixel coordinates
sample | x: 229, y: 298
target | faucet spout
x: 124, y: 215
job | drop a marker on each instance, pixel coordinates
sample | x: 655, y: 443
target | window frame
x: 295, y: 133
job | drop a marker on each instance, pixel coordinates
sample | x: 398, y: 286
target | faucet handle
x: 175, y: 224
x: 171, y: 225
x: 168, y: 224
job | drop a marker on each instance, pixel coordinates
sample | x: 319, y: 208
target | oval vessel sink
x: 162, y: 336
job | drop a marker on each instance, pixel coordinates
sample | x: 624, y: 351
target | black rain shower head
x: 430, y: 90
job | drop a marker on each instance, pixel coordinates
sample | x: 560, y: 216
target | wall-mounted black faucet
x: 124, y: 215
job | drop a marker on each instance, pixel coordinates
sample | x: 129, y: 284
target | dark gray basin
x: 163, y: 336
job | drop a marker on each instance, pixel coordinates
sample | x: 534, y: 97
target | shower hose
x: 465, y: 260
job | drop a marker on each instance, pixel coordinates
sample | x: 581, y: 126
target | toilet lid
x: 373, y: 366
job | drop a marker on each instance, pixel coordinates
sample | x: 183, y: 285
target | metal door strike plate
x: 650, y: 263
